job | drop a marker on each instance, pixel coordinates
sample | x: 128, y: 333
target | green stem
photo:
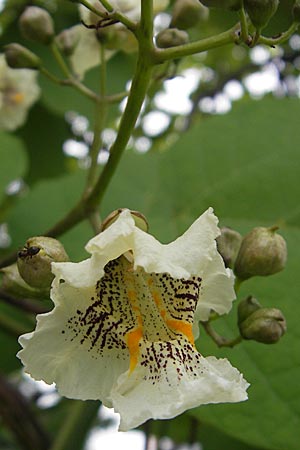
x: 136, y: 97
x: 282, y: 38
x: 244, y: 25
x: 59, y: 59
x: 74, y: 430
x: 221, y: 341
x: 72, y: 82
x: 227, y: 37
x: 100, y: 115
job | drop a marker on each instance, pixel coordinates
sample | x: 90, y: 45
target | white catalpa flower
x: 18, y: 91
x: 87, y: 53
x: 122, y: 327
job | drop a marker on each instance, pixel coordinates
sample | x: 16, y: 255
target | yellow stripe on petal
x: 183, y: 328
x: 133, y: 340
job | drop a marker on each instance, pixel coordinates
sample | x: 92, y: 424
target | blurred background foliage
x: 242, y: 159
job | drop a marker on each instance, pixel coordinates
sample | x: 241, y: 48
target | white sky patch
x: 161, y: 22
x: 112, y: 439
x: 207, y: 105
x: 2, y: 4
x: 155, y: 123
x: 75, y: 149
x: 234, y: 90
x: 259, y: 55
x: 103, y: 157
x: 222, y: 104
x: 142, y: 144
x: 109, y: 136
x: 15, y: 187
x: 79, y: 125
x: 295, y: 42
x: 175, y: 98
x: 261, y: 83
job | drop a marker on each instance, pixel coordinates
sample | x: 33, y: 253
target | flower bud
x: 171, y: 37
x: 12, y: 283
x: 34, y: 260
x: 37, y: 25
x: 19, y: 57
x: 67, y: 40
x: 261, y: 11
x: 139, y: 219
x: 247, y: 307
x: 263, y: 252
x: 187, y: 13
x: 228, y: 244
x: 296, y: 11
x: 232, y: 5
x: 266, y: 325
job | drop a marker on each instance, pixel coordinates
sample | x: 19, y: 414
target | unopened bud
x: 187, y: 13
x: 247, y: 307
x: 296, y: 11
x: 171, y: 37
x: 228, y: 244
x: 67, y: 40
x: 19, y: 57
x: 34, y: 260
x: 37, y: 25
x: 139, y: 219
x: 12, y: 283
x: 232, y: 5
x: 266, y: 325
x: 260, y: 11
x: 263, y: 252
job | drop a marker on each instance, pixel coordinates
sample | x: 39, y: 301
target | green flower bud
x: 232, y: 5
x: 228, y: 244
x: 263, y: 252
x: 247, y: 307
x: 266, y: 325
x: 37, y: 25
x: 261, y: 11
x: 139, y: 219
x: 12, y: 283
x: 296, y: 12
x: 187, y: 13
x: 171, y: 37
x: 34, y: 260
x: 67, y: 40
x: 19, y: 57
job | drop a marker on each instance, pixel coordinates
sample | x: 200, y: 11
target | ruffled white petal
x: 121, y: 330
x: 64, y: 348
x: 176, y: 379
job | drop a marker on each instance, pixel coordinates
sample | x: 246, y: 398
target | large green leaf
x: 13, y: 162
x: 246, y: 165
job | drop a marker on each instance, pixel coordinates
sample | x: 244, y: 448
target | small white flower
x: 18, y: 91
x: 122, y: 327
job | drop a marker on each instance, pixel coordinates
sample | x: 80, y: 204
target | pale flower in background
x: 124, y: 323
x: 86, y: 54
x: 18, y: 91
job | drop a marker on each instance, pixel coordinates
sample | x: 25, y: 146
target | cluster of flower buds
x: 185, y: 15
x: 265, y: 325
x: 259, y: 11
x: 36, y: 25
x: 261, y: 252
